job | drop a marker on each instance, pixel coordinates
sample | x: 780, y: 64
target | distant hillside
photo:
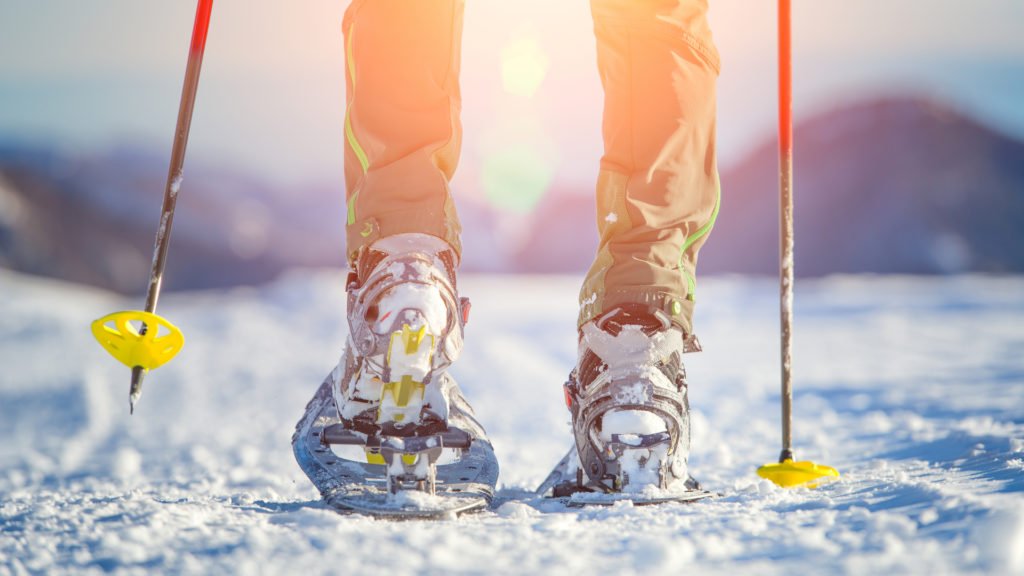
x: 92, y: 220
x: 889, y: 186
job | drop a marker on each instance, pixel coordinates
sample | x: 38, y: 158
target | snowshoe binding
x: 389, y: 433
x: 630, y: 414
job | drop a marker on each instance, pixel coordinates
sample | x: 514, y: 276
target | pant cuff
x: 366, y: 231
x: 678, y: 308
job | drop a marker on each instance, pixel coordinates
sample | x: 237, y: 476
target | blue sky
x: 86, y: 75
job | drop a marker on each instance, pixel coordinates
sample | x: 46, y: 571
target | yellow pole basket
x: 138, y: 339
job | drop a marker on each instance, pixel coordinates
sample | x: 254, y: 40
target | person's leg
x: 402, y: 137
x: 658, y: 189
x: 657, y: 198
x: 402, y: 129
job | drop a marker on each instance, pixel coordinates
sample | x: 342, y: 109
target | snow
x: 639, y: 465
x: 400, y: 243
x: 410, y: 298
x: 630, y: 344
x: 176, y: 184
x: 629, y: 425
x: 912, y: 388
x: 160, y: 233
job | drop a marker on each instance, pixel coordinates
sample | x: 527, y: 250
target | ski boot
x: 630, y: 412
x: 392, y: 391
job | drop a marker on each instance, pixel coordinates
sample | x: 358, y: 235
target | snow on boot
x: 405, y: 328
x: 628, y: 398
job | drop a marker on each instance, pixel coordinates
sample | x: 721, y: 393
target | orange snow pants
x: 657, y: 189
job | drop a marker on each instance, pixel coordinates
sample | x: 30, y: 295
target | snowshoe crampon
x: 437, y: 473
x: 569, y: 484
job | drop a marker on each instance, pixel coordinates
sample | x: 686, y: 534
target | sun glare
x: 523, y: 66
x: 516, y: 177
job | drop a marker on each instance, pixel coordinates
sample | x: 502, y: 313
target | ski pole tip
x: 135, y: 392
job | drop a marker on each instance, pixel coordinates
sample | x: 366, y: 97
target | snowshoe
x: 389, y: 432
x: 630, y: 413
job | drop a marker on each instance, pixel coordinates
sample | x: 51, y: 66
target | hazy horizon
x: 77, y: 76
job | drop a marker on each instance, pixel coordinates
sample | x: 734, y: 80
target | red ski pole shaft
x: 174, y: 173
x: 786, y: 276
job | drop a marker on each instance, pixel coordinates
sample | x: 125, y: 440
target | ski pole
x: 143, y: 340
x: 786, y: 224
x: 787, y: 472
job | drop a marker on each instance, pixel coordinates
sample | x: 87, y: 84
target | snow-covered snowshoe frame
x: 348, y: 485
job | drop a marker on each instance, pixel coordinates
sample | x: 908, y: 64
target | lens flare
x: 524, y: 65
x: 516, y: 177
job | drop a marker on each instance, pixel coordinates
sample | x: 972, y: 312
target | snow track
x: 913, y: 388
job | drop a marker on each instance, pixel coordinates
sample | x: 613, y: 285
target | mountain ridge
x: 890, y: 185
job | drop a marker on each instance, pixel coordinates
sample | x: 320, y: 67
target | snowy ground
x: 913, y: 388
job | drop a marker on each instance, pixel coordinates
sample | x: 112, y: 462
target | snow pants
x: 657, y: 188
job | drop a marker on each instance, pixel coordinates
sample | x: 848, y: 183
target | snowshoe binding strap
x: 629, y: 361
x: 598, y: 458
x: 391, y: 271
x: 410, y: 461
